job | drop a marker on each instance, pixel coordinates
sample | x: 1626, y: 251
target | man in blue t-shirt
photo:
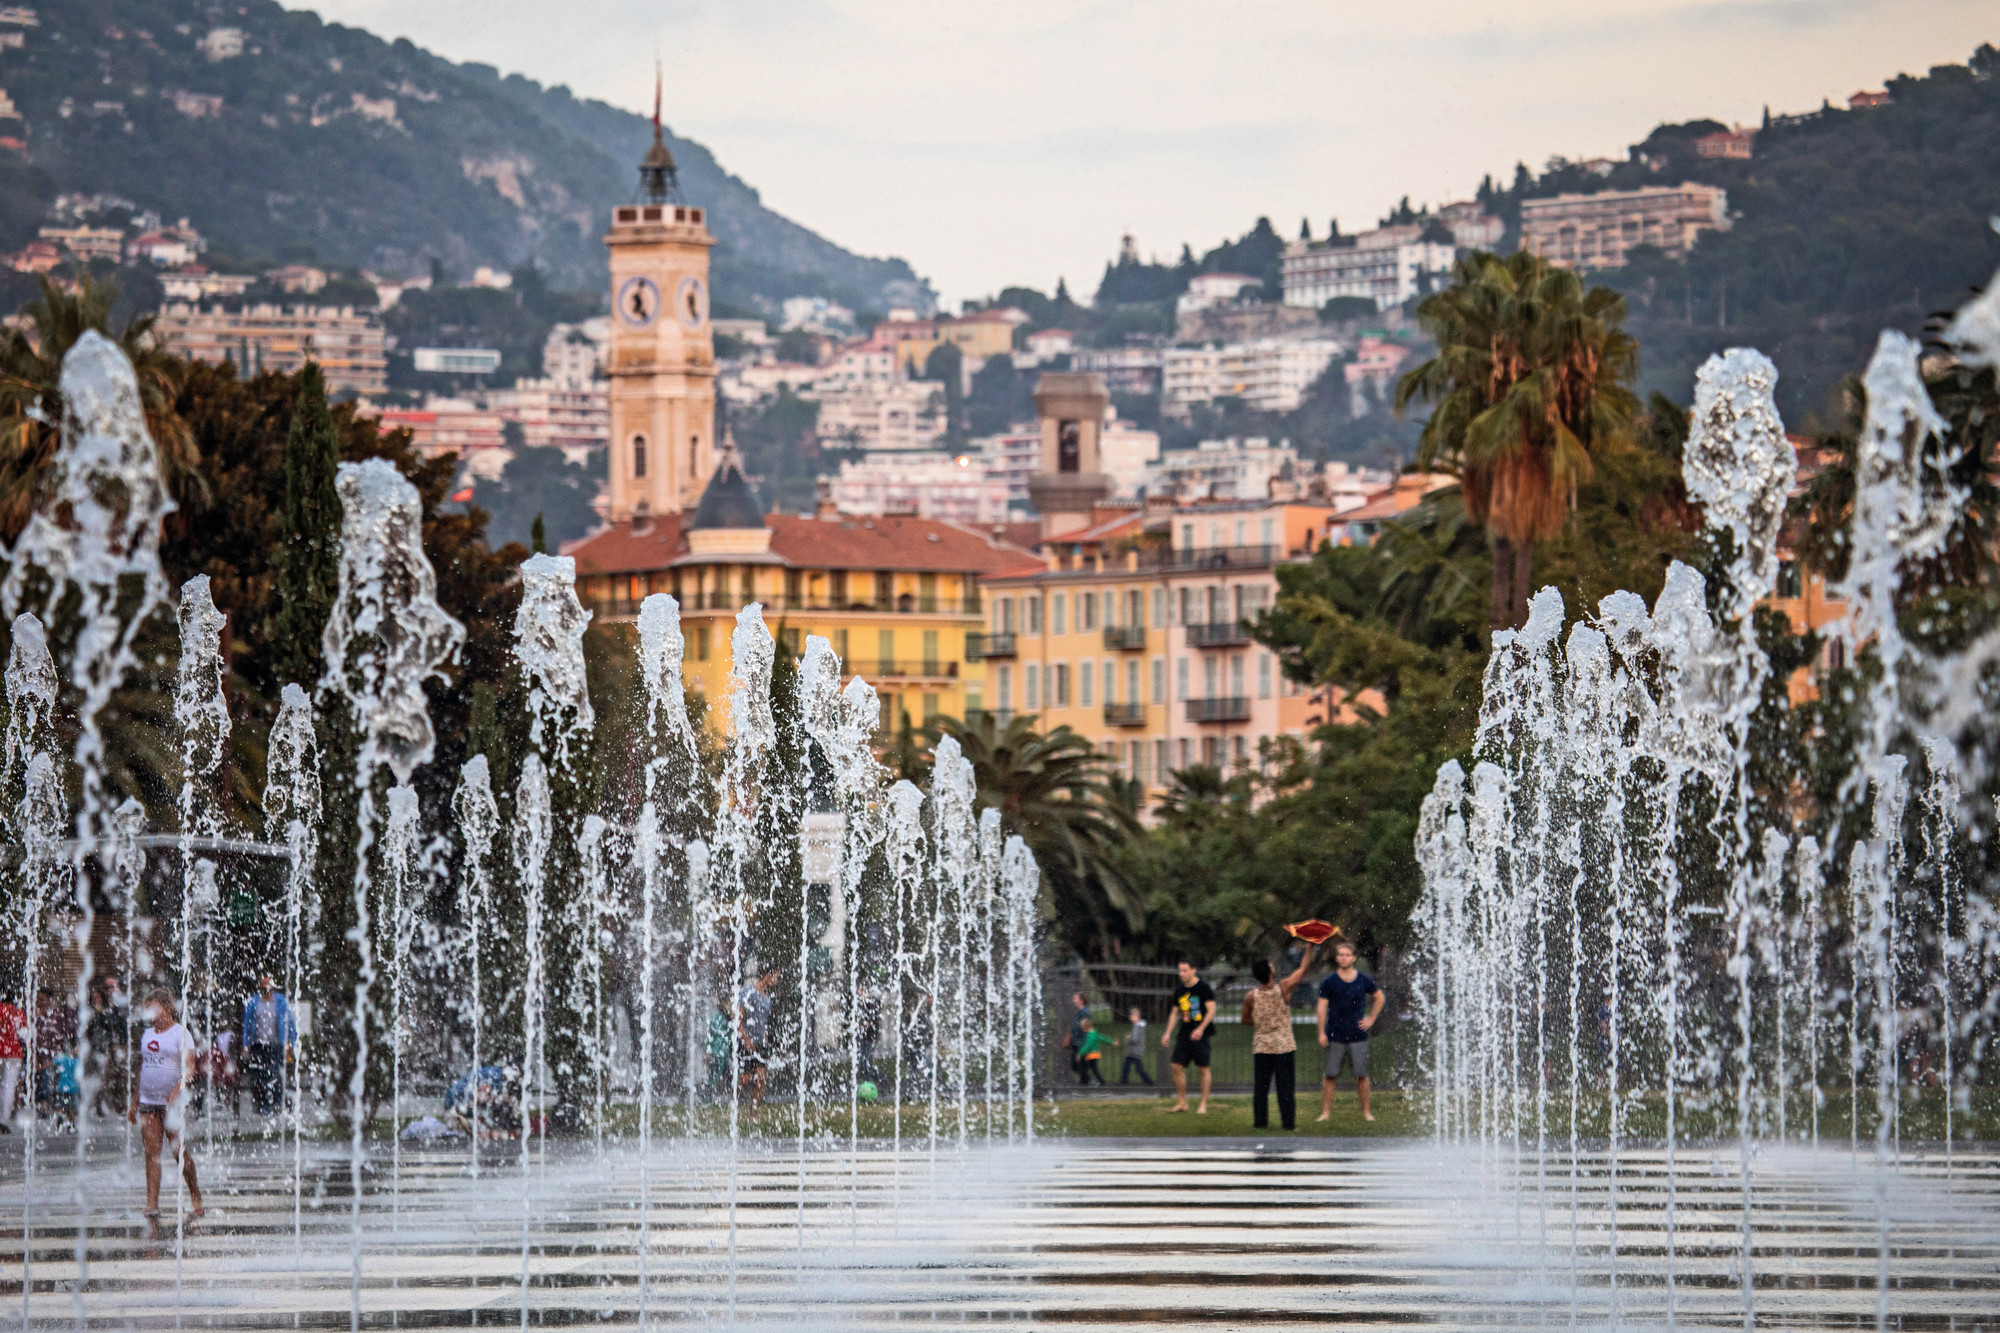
x: 1349, y: 1004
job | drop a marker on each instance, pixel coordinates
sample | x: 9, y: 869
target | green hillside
x: 332, y: 144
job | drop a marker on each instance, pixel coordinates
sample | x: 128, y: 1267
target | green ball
x: 867, y: 1092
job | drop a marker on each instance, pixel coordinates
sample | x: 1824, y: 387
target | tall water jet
x: 98, y: 536
x: 291, y: 818
x: 479, y: 826
x: 203, y: 716
x: 385, y: 637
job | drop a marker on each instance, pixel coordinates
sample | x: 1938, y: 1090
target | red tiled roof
x: 842, y: 542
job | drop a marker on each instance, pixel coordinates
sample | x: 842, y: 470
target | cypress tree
x: 307, y: 561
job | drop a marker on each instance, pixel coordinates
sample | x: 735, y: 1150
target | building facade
x: 1142, y: 646
x: 897, y: 596
x: 661, y: 357
x: 953, y: 487
x: 1387, y: 266
x: 347, y: 345
x: 881, y: 415
x: 1597, y: 230
x: 1268, y: 374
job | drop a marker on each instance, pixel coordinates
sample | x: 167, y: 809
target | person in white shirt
x: 166, y: 1058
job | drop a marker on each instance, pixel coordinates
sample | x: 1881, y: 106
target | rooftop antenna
x: 657, y: 182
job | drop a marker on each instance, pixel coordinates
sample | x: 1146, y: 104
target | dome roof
x: 729, y: 501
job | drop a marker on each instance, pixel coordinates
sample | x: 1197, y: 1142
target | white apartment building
x: 455, y: 426
x: 927, y: 483
x: 574, y: 354
x: 1388, y: 266
x: 1205, y: 290
x: 1595, y: 230
x: 898, y: 415
x: 347, y: 345
x: 575, y: 418
x: 1134, y: 370
x: 1268, y: 374
x: 1011, y: 458
x: 1124, y: 453
x: 1220, y: 470
x: 192, y: 285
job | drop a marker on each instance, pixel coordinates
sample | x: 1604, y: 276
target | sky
x: 998, y: 142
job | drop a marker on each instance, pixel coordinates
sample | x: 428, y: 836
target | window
x: 694, y: 455
x: 795, y: 588
x: 638, y: 455
x: 1209, y: 676
x: 930, y: 709
x: 927, y: 592
x: 1236, y: 689
x: 1159, y: 608
x: 1086, y: 684
x: 1187, y: 752
x: 930, y: 651
x: 1132, y: 682
x: 1111, y: 609
x: 1003, y: 680
x: 885, y: 590
x: 788, y: 637
x: 1086, y: 612
x: 1159, y: 680
x: 1181, y: 678
x: 836, y: 591
x: 1004, y: 608
x: 1263, y: 675
x: 1135, y: 608
x: 1111, y: 684
x: 1059, y: 687
x: 1240, y: 526
x: 1242, y: 750
x: 1215, y: 603
x: 701, y: 644
x: 1059, y: 613
x: 885, y: 652
x: 1160, y: 763
x: 1032, y: 613
x: 1069, y: 446
x: 840, y: 644
x: 1135, y: 760
x: 1238, y: 601
x: 1187, y: 536
x: 1031, y: 686
x: 1265, y: 532
x: 1211, y: 751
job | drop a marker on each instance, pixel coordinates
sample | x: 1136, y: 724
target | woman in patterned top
x: 1267, y: 1011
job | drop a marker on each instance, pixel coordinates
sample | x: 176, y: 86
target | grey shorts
x: 1354, y: 1052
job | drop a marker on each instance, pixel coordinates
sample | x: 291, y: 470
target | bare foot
x: 1367, y: 1117
x: 197, y: 1211
x: 1175, y: 1110
x: 1201, y: 1110
x: 1324, y: 1118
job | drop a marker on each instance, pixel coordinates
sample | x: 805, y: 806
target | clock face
x: 691, y: 302
x: 639, y: 302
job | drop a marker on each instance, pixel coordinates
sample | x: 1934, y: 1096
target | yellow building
x: 897, y: 596
x: 981, y: 334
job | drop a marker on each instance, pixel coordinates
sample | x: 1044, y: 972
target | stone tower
x: 1071, y: 479
x: 662, y: 358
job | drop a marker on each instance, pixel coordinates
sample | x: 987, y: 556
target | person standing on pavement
x: 1188, y: 1023
x: 1073, y: 1040
x: 753, y: 1028
x: 13, y: 1050
x: 268, y: 1035
x: 1135, y: 1051
x: 1349, y: 1004
x: 1267, y: 1012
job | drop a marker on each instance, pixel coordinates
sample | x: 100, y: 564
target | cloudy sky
x: 1013, y: 141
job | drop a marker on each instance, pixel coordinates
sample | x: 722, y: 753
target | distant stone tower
x: 1071, y: 480
x: 662, y: 359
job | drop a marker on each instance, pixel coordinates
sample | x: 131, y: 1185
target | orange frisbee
x: 1312, y: 932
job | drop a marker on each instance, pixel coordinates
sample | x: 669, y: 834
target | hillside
x: 331, y: 144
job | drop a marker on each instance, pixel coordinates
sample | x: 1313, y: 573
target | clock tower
x: 662, y: 356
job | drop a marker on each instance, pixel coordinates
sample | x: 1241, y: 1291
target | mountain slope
x: 328, y: 139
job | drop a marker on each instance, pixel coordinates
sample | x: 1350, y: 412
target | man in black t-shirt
x: 1187, y: 1034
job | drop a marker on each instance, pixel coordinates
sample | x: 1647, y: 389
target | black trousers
x: 1134, y: 1065
x: 1281, y: 1069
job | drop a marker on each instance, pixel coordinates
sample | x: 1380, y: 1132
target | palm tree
x: 1069, y: 805
x: 1528, y: 382
x: 31, y: 394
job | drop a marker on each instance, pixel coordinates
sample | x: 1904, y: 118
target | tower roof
x: 656, y: 168
x: 729, y: 500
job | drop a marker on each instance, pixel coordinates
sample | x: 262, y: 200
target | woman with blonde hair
x: 159, y: 1100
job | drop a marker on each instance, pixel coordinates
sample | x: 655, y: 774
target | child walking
x: 1135, y: 1051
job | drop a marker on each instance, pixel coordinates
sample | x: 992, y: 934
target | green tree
x: 306, y: 559
x: 1528, y: 383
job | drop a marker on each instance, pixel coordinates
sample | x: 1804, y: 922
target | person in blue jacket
x: 268, y: 1035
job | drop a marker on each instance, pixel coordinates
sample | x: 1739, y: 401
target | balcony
x: 979, y: 645
x: 1124, y: 715
x: 902, y: 668
x: 1219, y: 634
x: 1212, y: 557
x: 1124, y: 638
x: 1230, y: 708
x: 776, y: 604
